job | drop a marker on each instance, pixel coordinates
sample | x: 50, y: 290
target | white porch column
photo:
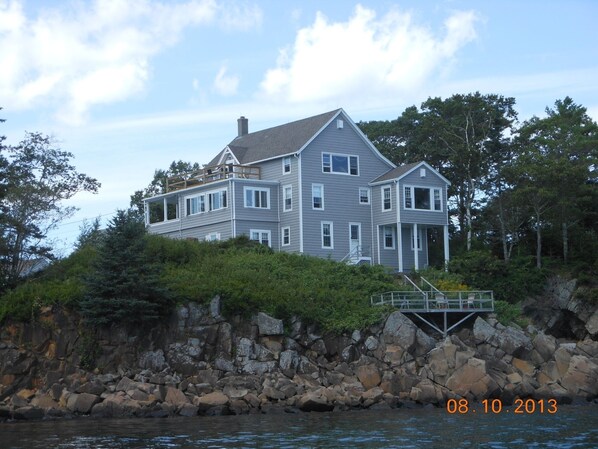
x: 165, y: 210
x: 400, y: 246
x: 415, y: 250
x: 446, y: 247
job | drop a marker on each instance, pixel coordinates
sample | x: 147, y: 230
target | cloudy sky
x: 130, y: 85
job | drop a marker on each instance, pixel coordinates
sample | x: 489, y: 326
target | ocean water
x: 570, y: 427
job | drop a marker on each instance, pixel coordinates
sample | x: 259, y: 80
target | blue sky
x: 128, y: 86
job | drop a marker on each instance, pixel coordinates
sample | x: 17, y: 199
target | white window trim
x: 322, y: 223
x: 190, y: 197
x: 212, y: 192
x: 260, y: 189
x: 419, y: 239
x: 412, y: 188
x: 284, y: 199
x: 389, y: 188
x: 206, y: 196
x: 348, y: 156
x: 312, y: 196
x: 384, y: 228
x: 367, y: 189
x: 284, y: 160
x: 261, y: 231
x: 282, y: 230
x: 208, y: 237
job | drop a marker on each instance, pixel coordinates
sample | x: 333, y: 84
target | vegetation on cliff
x: 145, y: 274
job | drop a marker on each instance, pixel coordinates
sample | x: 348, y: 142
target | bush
x: 511, y: 282
x: 508, y: 313
x: 61, y: 283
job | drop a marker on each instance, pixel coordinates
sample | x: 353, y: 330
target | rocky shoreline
x: 201, y: 364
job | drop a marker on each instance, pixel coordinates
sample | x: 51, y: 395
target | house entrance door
x: 355, y: 241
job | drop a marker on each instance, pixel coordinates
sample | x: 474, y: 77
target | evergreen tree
x: 125, y: 285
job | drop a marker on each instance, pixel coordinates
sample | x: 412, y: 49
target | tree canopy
x: 37, y: 178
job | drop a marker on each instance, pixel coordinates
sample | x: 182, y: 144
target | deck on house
x: 427, y: 299
x: 211, y: 174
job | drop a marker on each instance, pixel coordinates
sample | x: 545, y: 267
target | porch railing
x: 440, y: 301
x: 211, y: 174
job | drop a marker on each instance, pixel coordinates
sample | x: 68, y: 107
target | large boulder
x: 368, y: 375
x: 472, y: 380
x: 268, y: 325
x: 400, y: 330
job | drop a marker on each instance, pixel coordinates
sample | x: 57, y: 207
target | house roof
x: 402, y: 170
x: 277, y: 141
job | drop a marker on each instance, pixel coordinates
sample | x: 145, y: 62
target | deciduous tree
x: 38, y: 177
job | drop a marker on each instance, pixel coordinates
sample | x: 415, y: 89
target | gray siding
x: 200, y: 232
x: 272, y: 171
x: 341, y: 192
x: 243, y: 227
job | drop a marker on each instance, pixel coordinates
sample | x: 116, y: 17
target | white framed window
x: 364, y: 195
x: 195, y: 204
x: 343, y: 164
x: 257, y: 197
x: 217, y: 200
x: 286, y: 165
x: 213, y: 237
x: 389, y: 237
x: 419, y: 240
x: 327, y: 234
x: 263, y: 236
x: 386, y: 198
x: 286, y: 236
x: 422, y: 198
x: 287, y: 194
x: 317, y: 196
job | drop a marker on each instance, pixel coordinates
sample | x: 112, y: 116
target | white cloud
x: 226, y: 84
x: 365, y: 57
x: 78, y: 55
x: 240, y: 16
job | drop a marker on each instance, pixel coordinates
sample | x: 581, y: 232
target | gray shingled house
x: 315, y: 186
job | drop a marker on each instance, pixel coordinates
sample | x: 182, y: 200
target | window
x: 317, y: 195
x: 419, y: 240
x: 286, y: 165
x: 422, y: 198
x: 288, y: 198
x: 386, y: 202
x: 260, y: 235
x: 408, y: 202
x: 327, y: 237
x: 340, y: 163
x: 437, y: 200
x: 256, y: 197
x: 364, y: 195
x: 389, y: 237
x: 217, y: 200
x: 212, y: 237
x: 286, y: 236
x: 195, y: 204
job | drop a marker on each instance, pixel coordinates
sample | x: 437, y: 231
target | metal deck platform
x: 433, y: 301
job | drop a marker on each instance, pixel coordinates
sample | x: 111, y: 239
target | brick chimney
x: 242, y: 126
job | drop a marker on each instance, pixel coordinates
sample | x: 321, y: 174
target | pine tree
x: 125, y: 286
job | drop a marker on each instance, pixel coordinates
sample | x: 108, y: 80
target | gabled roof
x: 277, y: 141
x: 403, y: 170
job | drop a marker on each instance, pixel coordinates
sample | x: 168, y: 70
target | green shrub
x: 511, y: 282
x: 508, y: 313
